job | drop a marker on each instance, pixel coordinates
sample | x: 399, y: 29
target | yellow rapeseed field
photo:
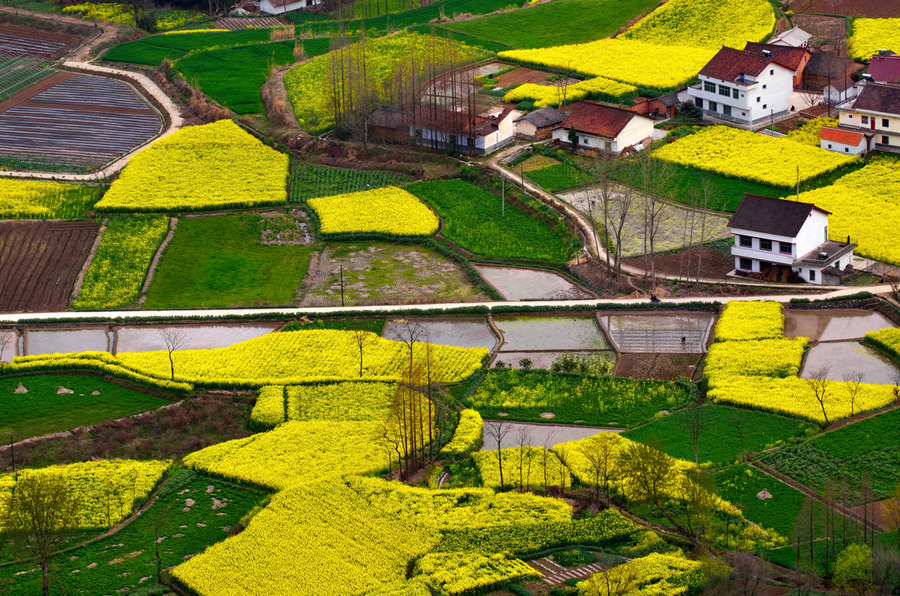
x: 752, y: 156
x: 750, y: 320
x: 211, y: 166
x: 389, y: 210
x: 551, y: 95
x: 871, y: 35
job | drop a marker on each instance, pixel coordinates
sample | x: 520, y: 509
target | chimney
x: 767, y: 53
x: 867, y: 76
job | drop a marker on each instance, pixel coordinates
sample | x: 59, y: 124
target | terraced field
x: 75, y: 120
x: 33, y: 42
x: 39, y: 262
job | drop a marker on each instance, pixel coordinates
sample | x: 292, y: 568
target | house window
x: 829, y: 145
x: 723, y: 90
x: 471, y: 141
x: 864, y: 119
x: 758, y: 99
x: 734, y: 93
x: 726, y: 110
x: 609, y: 145
x: 746, y: 265
x: 849, y: 116
x: 812, y: 275
x: 764, y: 86
x: 713, y: 106
x: 698, y: 102
x: 846, y: 150
x: 765, y: 244
x: 710, y: 87
x: 885, y: 140
x: 746, y: 241
x: 771, y: 71
x: 765, y: 106
x: 785, y: 248
x: 885, y: 123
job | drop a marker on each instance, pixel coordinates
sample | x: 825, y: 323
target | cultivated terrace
x: 450, y: 297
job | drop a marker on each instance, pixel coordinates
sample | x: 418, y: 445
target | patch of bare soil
x: 879, y: 9
x: 825, y: 30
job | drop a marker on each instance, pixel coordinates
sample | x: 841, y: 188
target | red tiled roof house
x: 603, y: 128
x: 842, y: 140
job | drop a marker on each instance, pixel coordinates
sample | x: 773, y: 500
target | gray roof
x: 771, y: 216
x: 543, y: 117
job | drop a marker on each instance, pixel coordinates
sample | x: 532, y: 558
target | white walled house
x: 775, y: 235
x: 283, y: 6
x: 461, y: 132
x: 742, y: 87
x: 842, y: 140
x: 840, y: 91
x: 603, y: 128
x: 875, y: 112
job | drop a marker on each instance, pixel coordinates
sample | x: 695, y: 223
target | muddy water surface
x: 845, y: 357
x: 550, y: 333
x: 540, y: 434
x: 46, y: 341
x: 196, y: 337
x: 516, y: 283
x: 671, y: 333
x: 831, y: 325
x: 464, y: 333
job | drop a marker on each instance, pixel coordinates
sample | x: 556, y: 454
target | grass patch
x: 220, y: 262
x: 557, y: 177
x: 871, y: 445
x: 552, y: 23
x: 127, y: 556
x: 686, y: 186
x: 234, y: 76
x: 376, y: 326
x: 309, y: 181
x: 720, y: 442
x: 598, y: 401
x: 472, y: 219
x: 42, y: 411
x: 152, y: 50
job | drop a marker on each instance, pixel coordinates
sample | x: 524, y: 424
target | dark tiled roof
x: 771, y: 216
x: 785, y: 55
x: 823, y: 65
x: 387, y: 119
x: 729, y: 64
x: 543, y: 117
x: 669, y: 100
x: 596, y: 119
x: 885, y: 69
x: 879, y: 98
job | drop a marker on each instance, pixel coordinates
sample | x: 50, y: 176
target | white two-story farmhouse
x: 747, y: 88
x: 876, y: 113
x: 774, y: 235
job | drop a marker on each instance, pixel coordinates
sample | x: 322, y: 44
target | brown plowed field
x: 39, y: 262
x: 879, y: 9
x: 667, y: 367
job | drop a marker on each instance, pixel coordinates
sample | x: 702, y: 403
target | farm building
x: 775, y: 238
x: 538, y: 124
x: 876, y: 110
x: 479, y: 134
x: 884, y: 69
x: 795, y: 38
x: 283, y: 6
x: 842, y: 140
x: 794, y: 58
x: 840, y: 90
x: 665, y: 106
x: 747, y: 88
x: 824, y: 69
x: 603, y: 128
x: 388, y: 126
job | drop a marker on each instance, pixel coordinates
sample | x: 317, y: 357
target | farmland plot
x: 33, y: 42
x: 76, y: 121
x: 39, y: 263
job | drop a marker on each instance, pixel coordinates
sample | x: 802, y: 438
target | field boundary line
x: 173, y: 224
x: 79, y: 281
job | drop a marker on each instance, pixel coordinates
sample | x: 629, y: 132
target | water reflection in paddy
x: 540, y: 434
x: 830, y: 325
x: 464, y: 333
x: 516, y: 283
x: 844, y: 357
x: 196, y: 337
x: 550, y: 333
x: 49, y: 341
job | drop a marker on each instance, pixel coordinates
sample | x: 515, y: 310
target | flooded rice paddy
x: 842, y: 358
x: 538, y: 435
x: 833, y: 325
x: 658, y: 333
x: 464, y: 333
x: 518, y: 283
x: 550, y: 334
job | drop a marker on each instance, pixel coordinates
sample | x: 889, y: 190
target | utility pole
x: 12, y: 454
x: 342, y: 283
x: 798, y: 183
x: 502, y: 196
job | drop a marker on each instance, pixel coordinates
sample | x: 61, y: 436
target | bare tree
x: 820, y: 385
x: 42, y: 511
x: 175, y: 339
x: 853, y: 382
x: 697, y: 491
x: 885, y: 565
x: 497, y: 430
x: 599, y: 453
x: 739, y: 422
x: 616, y: 581
x: 655, y: 178
x: 894, y: 281
x: 695, y: 422
x: 545, y: 458
x: 749, y: 573
x: 409, y: 333
x: 892, y: 514
x: 362, y: 339
x: 5, y: 340
x: 523, y: 441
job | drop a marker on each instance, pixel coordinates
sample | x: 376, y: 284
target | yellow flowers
x: 389, y: 210
x: 108, y: 490
x: 861, y: 203
x: 269, y: 408
x: 551, y: 95
x: 522, y: 467
x: 808, y: 133
x: 755, y: 319
x: 871, y: 35
x: 301, y: 357
x: 117, y: 272
x: 186, y: 31
x: 752, y: 156
x: 110, y: 12
x: 758, y: 368
x: 462, y: 572
x: 706, y: 23
x: 295, y: 452
x: 467, y: 436
x: 656, y: 574
x: 27, y: 198
x: 887, y: 340
x: 630, y: 61
x: 766, y: 357
x: 350, y: 400
x: 200, y: 167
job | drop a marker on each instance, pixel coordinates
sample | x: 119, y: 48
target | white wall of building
x: 859, y: 149
x: 637, y: 130
x: 770, y: 94
x: 265, y: 6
